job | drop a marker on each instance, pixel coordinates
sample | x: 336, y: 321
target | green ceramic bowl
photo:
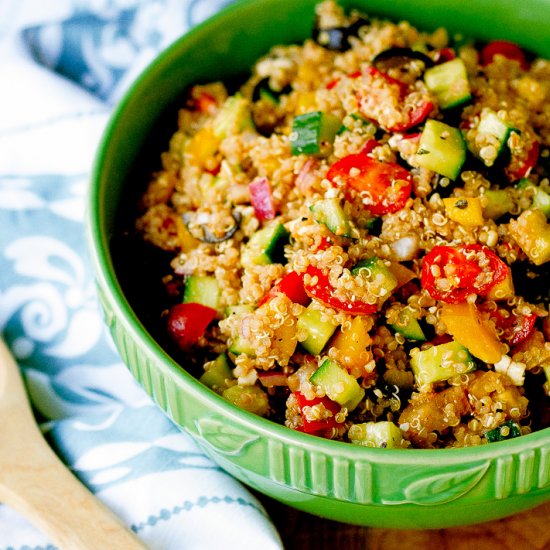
x: 377, y: 487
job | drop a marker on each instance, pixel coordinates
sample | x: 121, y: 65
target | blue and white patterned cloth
x: 63, y: 65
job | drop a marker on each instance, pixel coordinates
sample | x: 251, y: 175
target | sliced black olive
x: 207, y: 236
x: 400, y: 55
x: 263, y: 90
x: 336, y: 39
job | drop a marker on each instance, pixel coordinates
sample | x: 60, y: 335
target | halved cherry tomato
x: 415, y: 115
x: 403, y: 87
x: 506, y: 49
x: 515, y: 327
x: 382, y: 187
x: 292, y: 284
x: 451, y: 274
x: 323, y: 291
x: 316, y: 426
x: 188, y: 322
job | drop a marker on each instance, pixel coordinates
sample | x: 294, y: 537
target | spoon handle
x: 35, y: 482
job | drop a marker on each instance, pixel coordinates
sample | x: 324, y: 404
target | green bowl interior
x: 225, y: 46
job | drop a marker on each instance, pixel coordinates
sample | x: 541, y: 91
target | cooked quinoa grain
x: 359, y: 236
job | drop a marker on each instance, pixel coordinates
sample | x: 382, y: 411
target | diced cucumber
x: 311, y: 132
x: 441, y: 363
x: 441, y: 149
x: 408, y: 325
x: 541, y: 201
x: 449, y: 83
x: 540, y: 198
x: 202, y: 289
x: 377, y: 273
x: 217, y: 373
x: 240, y: 345
x: 499, y: 202
x: 330, y: 213
x: 233, y: 117
x: 250, y: 398
x: 507, y: 430
x: 491, y: 124
x: 266, y: 246
x: 376, y: 434
x: 338, y: 384
x: 318, y: 331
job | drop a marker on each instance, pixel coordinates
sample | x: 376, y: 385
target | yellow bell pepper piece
x: 306, y: 102
x: 202, y: 147
x: 352, y: 343
x: 466, y: 211
x: 465, y: 325
x: 186, y: 240
x: 502, y: 290
x: 532, y: 233
x: 402, y: 274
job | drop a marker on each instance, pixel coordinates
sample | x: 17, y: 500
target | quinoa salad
x: 359, y: 235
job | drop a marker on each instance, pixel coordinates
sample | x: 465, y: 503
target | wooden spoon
x: 37, y: 484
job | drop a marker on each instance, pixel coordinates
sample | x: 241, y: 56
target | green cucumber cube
x: 377, y: 272
x: 441, y: 363
x: 330, y: 213
x: 202, y: 289
x: 318, y: 331
x: 376, y: 434
x: 266, y: 246
x: 338, y: 384
x: 312, y: 131
x: 449, y: 83
x: 250, y: 398
x: 233, y: 117
x: 408, y: 325
x: 507, y: 430
x: 441, y: 149
x: 497, y: 129
x: 217, y: 373
x: 499, y: 202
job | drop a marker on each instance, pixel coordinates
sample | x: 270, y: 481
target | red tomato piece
x: 369, y: 146
x: 292, y: 284
x: 204, y: 103
x: 445, y: 54
x: 416, y: 116
x: 451, y: 274
x: 316, y: 426
x: 497, y: 267
x: 188, y: 322
x: 323, y: 291
x: 515, y: 327
x: 506, y: 49
x: 527, y: 164
x: 261, y: 199
x: 403, y: 87
x: 383, y: 187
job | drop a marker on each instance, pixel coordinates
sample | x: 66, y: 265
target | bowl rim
x: 109, y: 286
